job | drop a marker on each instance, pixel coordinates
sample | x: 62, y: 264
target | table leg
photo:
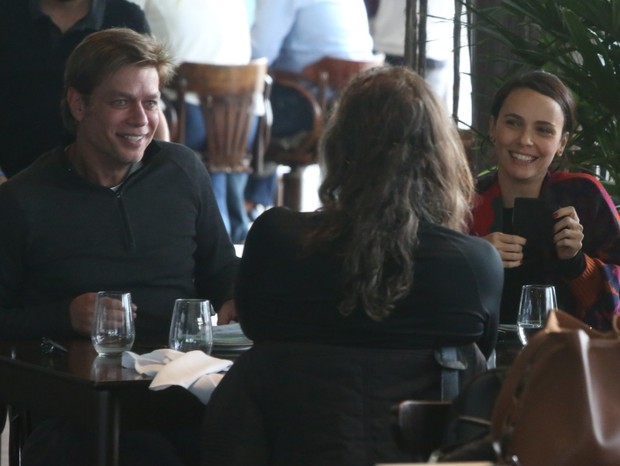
x: 108, y: 428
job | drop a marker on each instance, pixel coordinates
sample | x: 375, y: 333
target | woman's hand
x: 567, y: 233
x: 510, y: 248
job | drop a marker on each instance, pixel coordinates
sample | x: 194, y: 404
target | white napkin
x: 195, y: 371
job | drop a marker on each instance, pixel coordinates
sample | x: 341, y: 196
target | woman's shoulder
x: 281, y: 223
x: 286, y: 215
x: 471, y: 247
x: 578, y: 188
x: 585, y: 180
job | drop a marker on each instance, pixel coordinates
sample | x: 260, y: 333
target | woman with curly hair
x: 383, y: 262
x: 348, y: 305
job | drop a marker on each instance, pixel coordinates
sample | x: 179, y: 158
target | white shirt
x: 295, y: 33
x: 389, y: 25
x: 201, y: 31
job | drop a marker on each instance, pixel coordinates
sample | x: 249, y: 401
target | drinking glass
x: 536, y: 302
x: 113, y: 328
x: 190, y: 328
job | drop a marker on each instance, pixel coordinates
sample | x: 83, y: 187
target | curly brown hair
x: 392, y: 158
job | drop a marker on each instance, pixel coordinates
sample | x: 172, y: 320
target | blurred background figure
x: 293, y: 35
x: 36, y: 38
x: 212, y: 32
x: 388, y: 24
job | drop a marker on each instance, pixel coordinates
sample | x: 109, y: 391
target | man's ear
x: 76, y: 103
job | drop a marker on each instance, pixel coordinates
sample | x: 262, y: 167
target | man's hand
x: 227, y: 313
x: 510, y: 248
x: 82, y: 312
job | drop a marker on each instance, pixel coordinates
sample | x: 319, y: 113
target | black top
x: 159, y: 236
x: 284, y: 294
x: 33, y: 53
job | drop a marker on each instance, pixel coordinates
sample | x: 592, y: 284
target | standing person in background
x: 567, y: 234
x: 293, y: 34
x: 36, y: 37
x: 388, y: 27
x: 214, y: 32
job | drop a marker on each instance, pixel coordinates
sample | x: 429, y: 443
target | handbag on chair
x: 560, y: 401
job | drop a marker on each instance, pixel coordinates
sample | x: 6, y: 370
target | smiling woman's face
x: 528, y: 133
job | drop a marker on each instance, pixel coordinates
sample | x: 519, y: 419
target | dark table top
x: 71, y: 384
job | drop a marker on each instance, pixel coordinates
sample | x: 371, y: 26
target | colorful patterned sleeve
x: 597, y: 289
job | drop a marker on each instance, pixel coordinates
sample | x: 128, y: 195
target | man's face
x: 118, y: 120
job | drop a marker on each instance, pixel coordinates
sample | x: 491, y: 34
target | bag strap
x: 451, y: 361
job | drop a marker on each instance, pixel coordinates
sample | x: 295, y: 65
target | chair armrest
x: 263, y: 131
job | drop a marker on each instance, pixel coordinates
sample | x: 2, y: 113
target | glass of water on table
x: 536, y: 302
x: 190, y: 328
x: 113, y: 328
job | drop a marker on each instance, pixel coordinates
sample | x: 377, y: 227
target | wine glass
x: 536, y: 302
x: 113, y: 328
x: 190, y: 328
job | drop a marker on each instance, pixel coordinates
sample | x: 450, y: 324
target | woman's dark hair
x: 544, y: 83
x: 392, y: 158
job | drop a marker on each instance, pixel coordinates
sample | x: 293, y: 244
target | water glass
x: 190, y: 328
x: 113, y: 328
x: 536, y: 302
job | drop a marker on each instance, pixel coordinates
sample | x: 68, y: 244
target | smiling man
x: 112, y: 210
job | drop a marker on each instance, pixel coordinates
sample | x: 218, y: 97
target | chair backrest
x: 227, y: 96
x: 331, y: 74
x: 319, y: 84
x: 285, y: 398
x: 420, y: 426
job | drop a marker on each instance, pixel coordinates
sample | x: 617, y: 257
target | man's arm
x: 273, y: 21
x: 162, y: 132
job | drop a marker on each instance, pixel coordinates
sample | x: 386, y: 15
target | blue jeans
x: 229, y: 193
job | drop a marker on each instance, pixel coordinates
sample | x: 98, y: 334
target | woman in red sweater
x: 549, y: 227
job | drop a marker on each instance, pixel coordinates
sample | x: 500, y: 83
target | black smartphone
x: 532, y: 219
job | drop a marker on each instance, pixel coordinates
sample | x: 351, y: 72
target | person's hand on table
x: 510, y: 248
x: 567, y: 233
x: 82, y: 312
x: 3, y: 179
x: 227, y: 313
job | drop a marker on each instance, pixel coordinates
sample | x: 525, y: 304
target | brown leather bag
x: 560, y: 401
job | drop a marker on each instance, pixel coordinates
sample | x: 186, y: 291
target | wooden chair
x: 319, y: 84
x: 420, y: 426
x: 228, y: 96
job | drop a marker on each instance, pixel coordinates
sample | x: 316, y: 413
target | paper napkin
x: 195, y: 371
